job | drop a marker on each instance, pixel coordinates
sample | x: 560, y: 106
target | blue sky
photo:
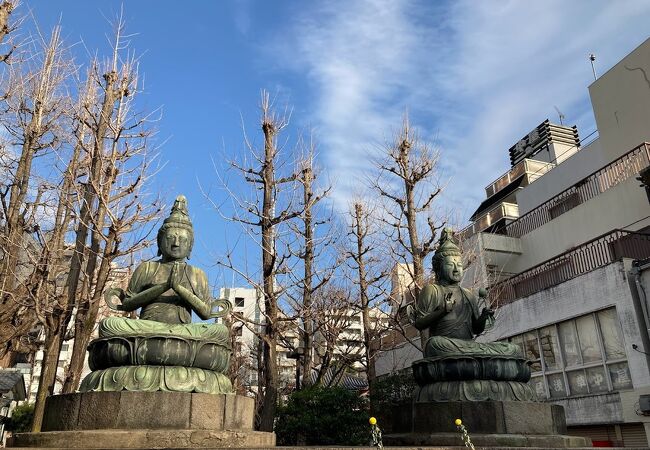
x: 474, y: 77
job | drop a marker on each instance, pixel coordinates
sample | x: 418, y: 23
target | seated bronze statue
x: 163, y: 349
x: 455, y: 366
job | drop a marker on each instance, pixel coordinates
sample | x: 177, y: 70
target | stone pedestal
x: 489, y: 423
x: 138, y: 420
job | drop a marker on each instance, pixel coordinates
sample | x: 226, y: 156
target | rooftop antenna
x: 592, y: 58
x: 559, y: 113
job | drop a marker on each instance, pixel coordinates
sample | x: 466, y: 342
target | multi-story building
x: 248, y: 305
x: 344, y: 325
x: 563, y: 241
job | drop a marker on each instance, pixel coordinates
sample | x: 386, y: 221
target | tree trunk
x: 85, y: 319
x: 271, y: 376
x: 360, y: 234
x: 51, y: 351
x: 308, y: 276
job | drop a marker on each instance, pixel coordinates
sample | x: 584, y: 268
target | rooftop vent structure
x: 547, y: 142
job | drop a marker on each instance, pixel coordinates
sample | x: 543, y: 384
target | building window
x: 581, y: 356
x: 239, y: 330
x: 64, y: 347
x: 239, y: 302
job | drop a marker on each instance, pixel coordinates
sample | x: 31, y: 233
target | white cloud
x: 476, y: 76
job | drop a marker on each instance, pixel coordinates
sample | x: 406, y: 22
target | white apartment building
x: 346, y: 323
x: 563, y: 241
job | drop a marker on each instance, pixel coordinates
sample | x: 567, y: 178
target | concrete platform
x: 144, y: 439
x: 148, y: 410
x: 364, y: 448
x: 144, y: 420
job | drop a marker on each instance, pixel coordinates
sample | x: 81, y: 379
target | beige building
x: 563, y: 241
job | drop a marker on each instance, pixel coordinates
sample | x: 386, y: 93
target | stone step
x: 335, y: 448
x: 141, y: 439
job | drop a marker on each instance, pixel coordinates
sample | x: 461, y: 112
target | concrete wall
x: 621, y: 102
x: 623, y: 206
x: 609, y: 286
x: 562, y: 177
x: 398, y: 358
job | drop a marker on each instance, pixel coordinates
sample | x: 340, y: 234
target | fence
x: 630, y: 164
x: 589, y: 256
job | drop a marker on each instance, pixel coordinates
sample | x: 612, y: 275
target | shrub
x: 391, y: 390
x: 21, y: 419
x: 323, y: 416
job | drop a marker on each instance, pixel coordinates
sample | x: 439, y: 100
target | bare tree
x: 370, y: 276
x: 338, y: 348
x: 272, y: 207
x: 312, y: 245
x: 112, y: 139
x: 36, y: 101
x: 120, y: 224
x: 407, y: 180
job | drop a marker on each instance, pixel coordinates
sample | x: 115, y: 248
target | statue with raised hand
x: 455, y: 367
x: 453, y: 315
x: 177, y: 354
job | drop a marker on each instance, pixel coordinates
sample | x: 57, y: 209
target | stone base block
x: 148, y: 410
x: 485, y: 440
x: 529, y: 418
x: 493, y: 423
x: 144, y: 439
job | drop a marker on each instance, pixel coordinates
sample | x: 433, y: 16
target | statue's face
x: 452, y: 269
x: 175, y: 243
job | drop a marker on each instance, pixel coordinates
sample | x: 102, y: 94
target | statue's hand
x: 108, y: 298
x: 449, y: 302
x: 487, y: 313
x: 176, y: 276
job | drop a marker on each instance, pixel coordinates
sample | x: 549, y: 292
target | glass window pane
x: 596, y: 379
x: 550, y: 347
x: 556, y: 385
x: 538, y: 385
x: 569, y: 342
x: 589, y: 346
x: 532, y: 351
x: 577, y: 382
x: 610, y: 328
x: 620, y: 375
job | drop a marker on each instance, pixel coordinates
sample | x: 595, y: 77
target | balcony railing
x: 589, y: 256
x: 628, y: 165
x: 503, y: 210
x: 532, y: 167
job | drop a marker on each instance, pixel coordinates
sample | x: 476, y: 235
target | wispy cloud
x: 474, y: 76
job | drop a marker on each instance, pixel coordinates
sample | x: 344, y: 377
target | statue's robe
x: 169, y: 314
